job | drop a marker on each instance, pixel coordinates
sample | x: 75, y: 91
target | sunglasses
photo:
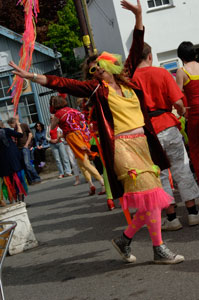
x: 93, y: 69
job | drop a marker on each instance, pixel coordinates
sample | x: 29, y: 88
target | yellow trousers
x: 88, y: 169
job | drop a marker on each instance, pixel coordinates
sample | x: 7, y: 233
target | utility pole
x: 89, y: 26
x: 83, y: 27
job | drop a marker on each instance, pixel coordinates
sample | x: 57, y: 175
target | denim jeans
x: 72, y: 160
x: 172, y: 143
x: 61, y: 158
x: 29, y: 168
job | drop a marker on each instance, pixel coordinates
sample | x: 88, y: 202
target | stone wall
x: 50, y: 163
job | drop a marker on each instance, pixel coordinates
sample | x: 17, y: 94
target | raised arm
x: 136, y: 49
x: 136, y: 10
x: 77, y: 88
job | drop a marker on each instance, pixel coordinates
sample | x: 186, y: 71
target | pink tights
x: 153, y: 221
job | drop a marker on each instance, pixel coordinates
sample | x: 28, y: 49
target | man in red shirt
x: 160, y: 94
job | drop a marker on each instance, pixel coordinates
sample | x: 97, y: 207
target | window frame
x: 25, y: 96
x: 164, y: 64
x: 160, y: 7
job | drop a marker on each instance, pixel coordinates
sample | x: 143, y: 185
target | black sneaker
x: 122, y: 246
x: 163, y: 255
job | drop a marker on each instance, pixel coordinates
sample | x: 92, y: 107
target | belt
x: 157, y: 112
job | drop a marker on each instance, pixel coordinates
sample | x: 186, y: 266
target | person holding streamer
x: 123, y: 129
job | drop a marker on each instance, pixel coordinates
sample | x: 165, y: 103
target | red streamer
x: 31, y: 10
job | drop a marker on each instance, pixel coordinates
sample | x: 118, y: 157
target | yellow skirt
x: 140, y: 177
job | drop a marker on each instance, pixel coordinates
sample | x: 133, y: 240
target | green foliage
x: 65, y: 34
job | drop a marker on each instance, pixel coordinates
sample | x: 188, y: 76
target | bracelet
x: 34, y: 77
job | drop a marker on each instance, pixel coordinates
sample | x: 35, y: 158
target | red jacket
x: 104, y: 116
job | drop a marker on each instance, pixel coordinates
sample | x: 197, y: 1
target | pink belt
x: 129, y: 136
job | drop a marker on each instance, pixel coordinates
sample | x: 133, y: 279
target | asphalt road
x: 75, y: 259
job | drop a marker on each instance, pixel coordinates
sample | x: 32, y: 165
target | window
x: 27, y: 107
x: 4, y: 86
x: 159, y: 3
x: 171, y: 66
x: 28, y: 110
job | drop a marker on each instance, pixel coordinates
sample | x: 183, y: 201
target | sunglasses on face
x: 93, y: 69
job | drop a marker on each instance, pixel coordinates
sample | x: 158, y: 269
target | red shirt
x: 69, y: 119
x: 53, y: 133
x: 160, y: 92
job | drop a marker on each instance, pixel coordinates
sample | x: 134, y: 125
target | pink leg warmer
x: 153, y: 221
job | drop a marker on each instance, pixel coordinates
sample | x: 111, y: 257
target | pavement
x: 75, y: 259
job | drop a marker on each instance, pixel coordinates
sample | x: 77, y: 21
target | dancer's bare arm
x: 180, y: 78
x: 136, y: 10
x: 41, y: 79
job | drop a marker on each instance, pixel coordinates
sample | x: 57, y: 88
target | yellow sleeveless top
x: 190, y: 77
x: 126, y: 111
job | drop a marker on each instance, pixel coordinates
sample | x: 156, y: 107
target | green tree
x: 16, y: 21
x: 65, y: 34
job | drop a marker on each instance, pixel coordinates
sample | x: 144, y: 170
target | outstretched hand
x: 18, y: 71
x: 136, y: 9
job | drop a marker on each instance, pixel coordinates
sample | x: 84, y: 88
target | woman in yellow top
x: 124, y: 145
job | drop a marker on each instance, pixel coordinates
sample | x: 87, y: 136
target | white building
x: 167, y: 24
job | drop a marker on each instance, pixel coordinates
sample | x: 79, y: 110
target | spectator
x: 53, y: 136
x: 41, y: 144
x: 13, y: 183
x: 24, y: 144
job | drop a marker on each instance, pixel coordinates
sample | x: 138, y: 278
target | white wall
x: 164, y: 29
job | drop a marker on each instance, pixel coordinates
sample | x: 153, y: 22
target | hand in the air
x: 136, y: 9
x: 18, y: 71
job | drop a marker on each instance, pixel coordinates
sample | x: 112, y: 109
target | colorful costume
x: 76, y: 133
x: 12, y: 177
x: 191, y: 89
x: 106, y: 124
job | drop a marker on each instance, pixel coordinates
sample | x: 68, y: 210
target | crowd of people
x: 22, y: 157
x: 127, y: 114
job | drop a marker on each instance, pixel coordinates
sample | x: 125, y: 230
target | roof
x: 18, y: 38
